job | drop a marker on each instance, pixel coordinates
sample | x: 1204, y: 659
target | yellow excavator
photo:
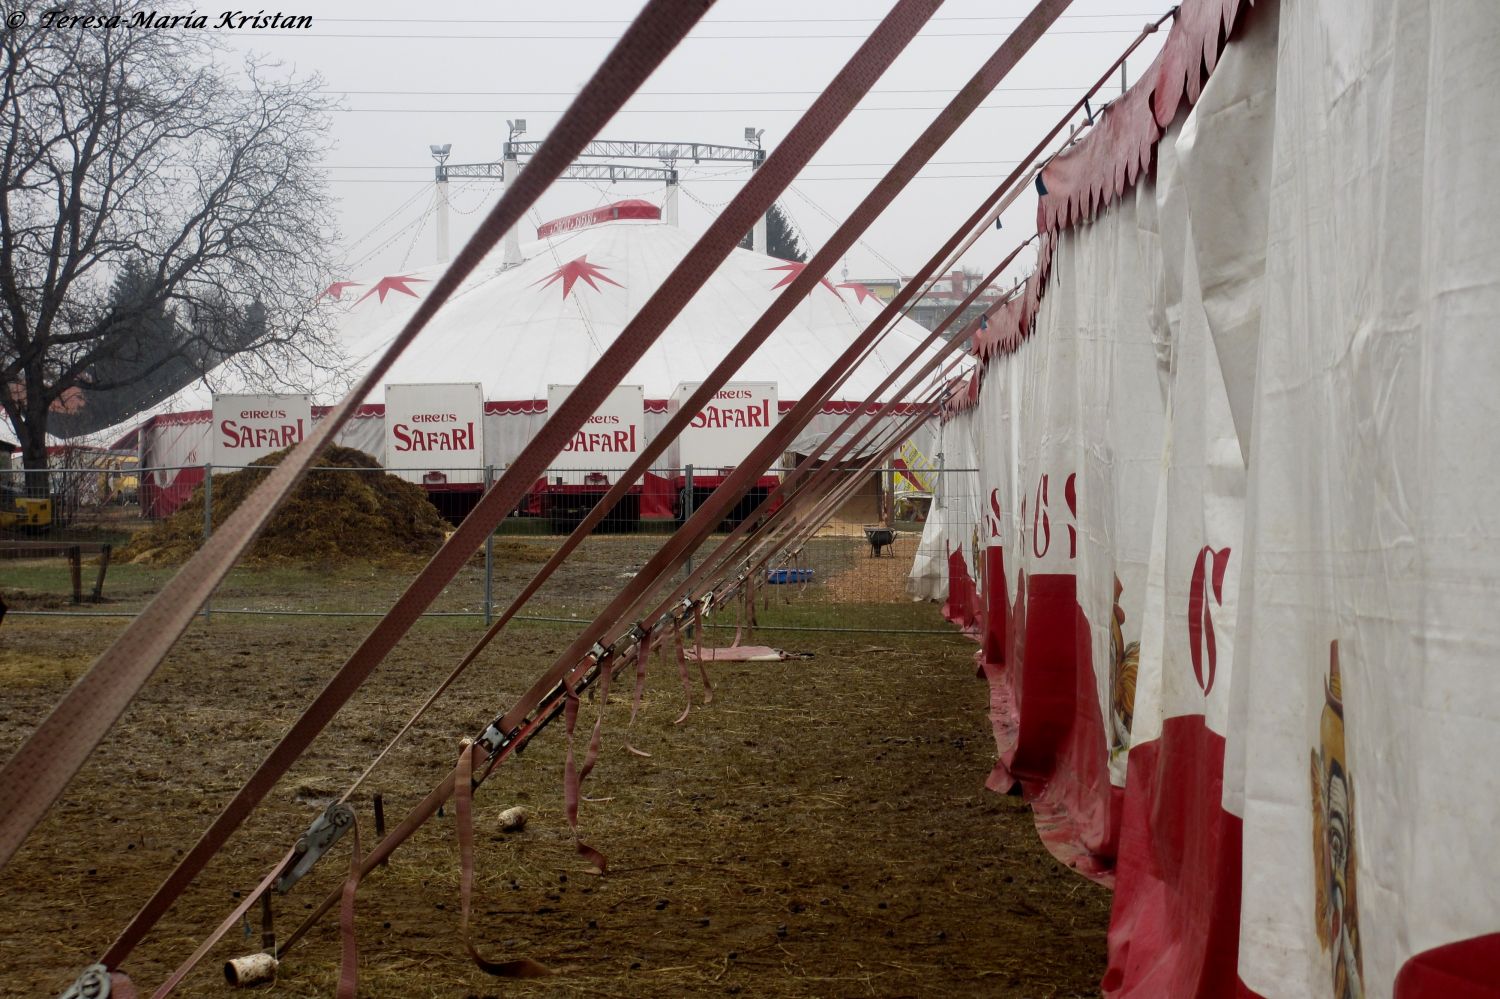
x: 19, y: 512
x: 24, y: 512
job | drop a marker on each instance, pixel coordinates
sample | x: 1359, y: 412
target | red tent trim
x: 1093, y: 172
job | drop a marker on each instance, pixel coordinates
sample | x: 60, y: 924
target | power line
x: 738, y: 169
x: 697, y: 180
x: 837, y: 222
x: 929, y: 163
x: 709, y: 21
x: 369, y: 233
x: 498, y: 111
x: 675, y: 93
x: 407, y: 36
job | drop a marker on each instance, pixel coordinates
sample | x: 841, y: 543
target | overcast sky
x: 408, y: 76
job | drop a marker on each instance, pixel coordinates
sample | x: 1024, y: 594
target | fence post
x: 489, y: 557
x: 208, y: 527
x: 939, y: 483
x: 890, y: 495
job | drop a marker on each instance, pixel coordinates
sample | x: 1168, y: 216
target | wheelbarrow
x: 880, y: 538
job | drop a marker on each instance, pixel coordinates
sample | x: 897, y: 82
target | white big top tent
x: 545, y: 321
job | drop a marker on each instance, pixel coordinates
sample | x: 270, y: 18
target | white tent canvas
x: 518, y: 329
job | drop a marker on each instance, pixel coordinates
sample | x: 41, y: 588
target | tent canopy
x: 521, y: 328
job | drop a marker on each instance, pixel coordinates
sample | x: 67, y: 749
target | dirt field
x: 821, y: 829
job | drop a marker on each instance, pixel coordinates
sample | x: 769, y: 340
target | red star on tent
x: 394, y: 282
x: 860, y: 291
x: 793, y: 269
x: 574, y: 270
x: 335, y: 291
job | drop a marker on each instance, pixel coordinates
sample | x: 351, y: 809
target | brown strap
x: 749, y: 607
x: 812, y: 485
x: 429, y: 805
x: 820, y: 465
x: 893, y: 34
x: 825, y: 498
x: 764, y: 454
x: 1003, y: 197
x: 592, y: 756
x: 994, y: 206
x: 413, y: 821
x: 682, y: 673
x: 573, y: 776
x: 52, y: 754
x: 806, y: 473
x: 932, y: 138
x: 607, y: 672
x: 463, y: 806
x: 716, y: 561
x: 708, y: 687
x: 823, y: 495
x: 229, y: 923
x: 994, y: 70
x: 723, y: 235
x: 745, y: 525
x: 642, y: 656
x: 349, y: 964
x: 817, y: 511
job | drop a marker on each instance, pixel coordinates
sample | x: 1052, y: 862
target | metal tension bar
x: 493, y: 740
x: 325, y: 831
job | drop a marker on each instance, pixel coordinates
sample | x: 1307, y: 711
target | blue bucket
x: 788, y: 575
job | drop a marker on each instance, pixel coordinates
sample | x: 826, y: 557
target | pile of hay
x: 330, y: 516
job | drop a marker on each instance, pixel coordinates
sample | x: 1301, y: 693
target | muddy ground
x: 820, y: 829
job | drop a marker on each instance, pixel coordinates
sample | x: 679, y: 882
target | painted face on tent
x: 1124, y: 663
x: 1334, y: 859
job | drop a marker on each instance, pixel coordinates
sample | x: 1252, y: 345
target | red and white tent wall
x: 1240, y: 606
x: 950, y: 534
x: 175, y: 446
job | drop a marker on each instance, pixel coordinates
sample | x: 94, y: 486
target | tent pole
x: 511, y: 241
x: 669, y: 200
x: 442, y: 219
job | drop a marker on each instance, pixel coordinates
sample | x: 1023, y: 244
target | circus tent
x: 519, y: 329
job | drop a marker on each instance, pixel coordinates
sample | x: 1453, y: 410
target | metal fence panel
x: 862, y: 554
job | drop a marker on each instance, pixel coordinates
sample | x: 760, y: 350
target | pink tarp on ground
x: 737, y: 654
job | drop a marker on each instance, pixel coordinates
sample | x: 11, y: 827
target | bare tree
x: 159, y: 215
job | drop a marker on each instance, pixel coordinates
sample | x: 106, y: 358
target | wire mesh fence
x: 104, y: 539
